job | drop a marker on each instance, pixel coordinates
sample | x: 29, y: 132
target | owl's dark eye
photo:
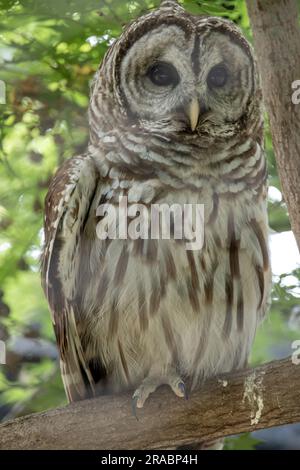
x: 163, y: 74
x: 217, y: 77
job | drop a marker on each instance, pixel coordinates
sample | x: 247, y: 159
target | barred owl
x: 175, y: 117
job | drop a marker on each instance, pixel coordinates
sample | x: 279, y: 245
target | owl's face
x: 177, y: 72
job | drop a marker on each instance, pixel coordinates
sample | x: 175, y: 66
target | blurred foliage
x: 242, y: 442
x: 49, y: 52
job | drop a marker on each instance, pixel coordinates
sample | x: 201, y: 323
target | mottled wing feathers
x: 67, y: 202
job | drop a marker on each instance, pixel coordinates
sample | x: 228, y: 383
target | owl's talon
x: 150, y: 384
x: 134, y: 407
x: 178, y: 387
x: 182, y: 389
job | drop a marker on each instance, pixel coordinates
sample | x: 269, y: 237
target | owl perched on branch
x: 175, y: 117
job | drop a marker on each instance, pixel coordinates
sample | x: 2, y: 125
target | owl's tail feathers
x: 218, y: 444
x: 213, y: 445
x: 77, y: 378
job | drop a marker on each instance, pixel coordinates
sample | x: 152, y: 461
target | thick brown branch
x: 234, y: 403
x: 276, y: 35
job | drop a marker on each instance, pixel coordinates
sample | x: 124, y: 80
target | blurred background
x: 49, y: 52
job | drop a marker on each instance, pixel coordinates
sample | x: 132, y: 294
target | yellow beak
x: 193, y: 112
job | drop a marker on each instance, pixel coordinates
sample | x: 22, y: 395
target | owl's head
x: 172, y: 71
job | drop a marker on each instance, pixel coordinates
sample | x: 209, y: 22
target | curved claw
x: 134, y: 406
x: 182, y: 388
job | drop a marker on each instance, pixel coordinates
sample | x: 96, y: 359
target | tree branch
x: 276, y: 35
x: 233, y: 403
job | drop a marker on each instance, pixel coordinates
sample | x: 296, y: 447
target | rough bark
x: 276, y: 35
x: 234, y: 403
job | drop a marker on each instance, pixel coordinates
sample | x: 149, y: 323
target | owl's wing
x: 66, y: 207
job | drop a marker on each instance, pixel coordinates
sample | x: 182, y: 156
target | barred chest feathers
x: 151, y: 306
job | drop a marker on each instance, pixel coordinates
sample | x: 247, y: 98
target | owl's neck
x: 230, y: 166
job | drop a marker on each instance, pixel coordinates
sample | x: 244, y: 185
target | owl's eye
x: 217, y: 77
x: 163, y: 74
